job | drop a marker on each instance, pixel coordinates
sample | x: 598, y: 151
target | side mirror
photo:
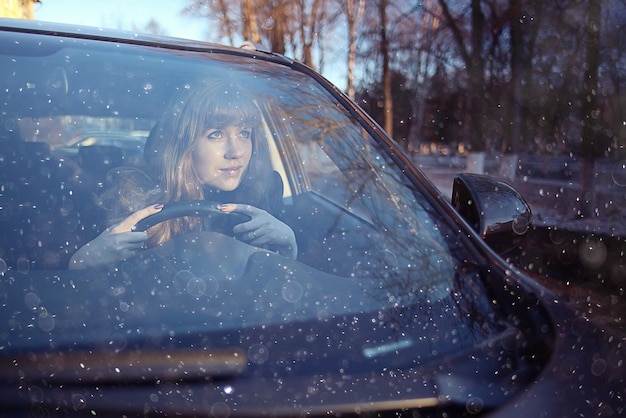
x: 493, y: 208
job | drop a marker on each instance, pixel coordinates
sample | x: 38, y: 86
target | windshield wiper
x: 137, y: 365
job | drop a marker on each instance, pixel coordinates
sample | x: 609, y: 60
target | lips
x: 231, y: 171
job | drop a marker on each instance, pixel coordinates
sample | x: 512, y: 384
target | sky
x: 125, y: 14
x: 134, y: 15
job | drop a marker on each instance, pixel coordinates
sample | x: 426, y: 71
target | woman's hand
x: 115, y: 243
x: 263, y: 229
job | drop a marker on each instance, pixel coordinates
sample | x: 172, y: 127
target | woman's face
x: 221, y: 156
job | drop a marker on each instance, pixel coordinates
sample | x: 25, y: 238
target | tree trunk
x: 477, y: 79
x: 384, y: 46
x: 352, y: 19
x: 278, y: 31
x: 589, y: 108
x: 250, y: 24
x: 512, y: 143
x: 475, y: 65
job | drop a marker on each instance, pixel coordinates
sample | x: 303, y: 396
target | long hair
x: 169, y: 152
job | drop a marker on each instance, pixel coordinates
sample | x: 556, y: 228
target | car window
x: 373, y: 253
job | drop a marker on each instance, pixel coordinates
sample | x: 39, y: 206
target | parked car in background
x: 395, y: 305
x: 132, y: 142
x: 88, y: 147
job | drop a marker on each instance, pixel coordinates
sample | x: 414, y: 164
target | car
x: 399, y: 302
x: 130, y: 143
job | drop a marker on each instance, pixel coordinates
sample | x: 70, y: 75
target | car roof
x: 137, y: 38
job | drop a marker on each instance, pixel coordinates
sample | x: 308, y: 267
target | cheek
x: 248, y: 151
x: 206, y: 154
x: 203, y: 165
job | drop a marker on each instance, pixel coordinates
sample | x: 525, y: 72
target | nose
x: 234, y: 148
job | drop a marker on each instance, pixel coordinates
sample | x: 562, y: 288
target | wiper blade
x: 129, y: 366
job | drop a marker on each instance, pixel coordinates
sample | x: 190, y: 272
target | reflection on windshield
x: 378, y: 270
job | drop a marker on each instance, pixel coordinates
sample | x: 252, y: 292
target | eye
x: 245, y: 133
x: 215, y: 134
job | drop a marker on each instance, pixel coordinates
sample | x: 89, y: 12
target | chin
x: 228, y: 185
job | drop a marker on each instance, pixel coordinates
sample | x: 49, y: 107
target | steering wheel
x: 187, y: 208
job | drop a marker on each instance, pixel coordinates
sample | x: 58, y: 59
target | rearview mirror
x: 493, y: 208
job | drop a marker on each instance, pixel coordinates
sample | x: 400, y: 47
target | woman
x: 204, y: 148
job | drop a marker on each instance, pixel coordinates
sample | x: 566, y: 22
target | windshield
x: 381, y: 279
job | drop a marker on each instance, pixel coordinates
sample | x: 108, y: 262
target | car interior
x: 48, y: 196
x: 49, y: 205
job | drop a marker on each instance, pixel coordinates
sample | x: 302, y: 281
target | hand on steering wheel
x: 263, y: 229
x: 115, y: 243
x: 123, y: 240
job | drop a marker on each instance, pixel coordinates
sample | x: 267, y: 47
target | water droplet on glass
x: 389, y: 259
x: 292, y: 292
x: 580, y: 326
x: 31, y: 300
x: 196, y: 287
x: 211, y: 285
x: 78, y: 401
x: 35, y: 394
x: 258, y: 353
x: 181, y: 279
x: 618, y: 174
x: 599, y: 367
x: 557, y: 236
x: 45, y: 321
x: 592, y: 253
x: 118, y: 290
x: 23, y: 266
x: 269, y: 23
x: 474, y: 405
x: 521, y: 225
x: 220, y: 410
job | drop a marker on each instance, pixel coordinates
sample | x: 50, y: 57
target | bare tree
x: 399, y: 52
x: 354, y: 12
x: 517, y: 68
x: 472, y: 56
x: 250, y: 27
x: 499, y: 74
x: 291, y: 27
x: 384, y: 52
x: 426, y: 51
x: 589, y: 105
x: 154, y: 27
